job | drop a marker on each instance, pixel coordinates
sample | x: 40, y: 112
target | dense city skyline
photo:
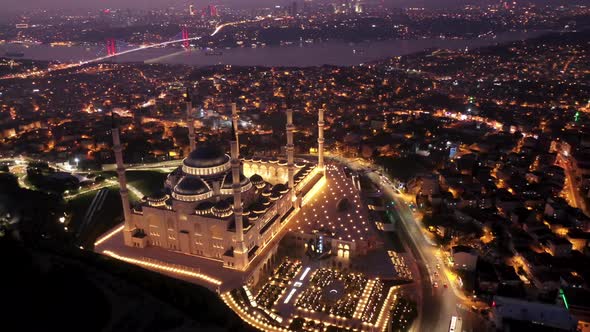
x: 13, y: 5
x: 316, y: 166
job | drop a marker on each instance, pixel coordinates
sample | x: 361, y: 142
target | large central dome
x: 206, y: 156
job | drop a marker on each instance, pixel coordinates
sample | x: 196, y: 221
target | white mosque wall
x: 270, y: 172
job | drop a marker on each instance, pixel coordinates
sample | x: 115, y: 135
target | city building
x: 464, y: 258
x: 515, y: 314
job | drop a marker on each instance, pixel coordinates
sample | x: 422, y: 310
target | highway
x: 221, y: 26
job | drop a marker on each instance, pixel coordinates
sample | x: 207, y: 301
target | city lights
x: 108, y: 235
x: 403, y: 168
x: 164, y: 268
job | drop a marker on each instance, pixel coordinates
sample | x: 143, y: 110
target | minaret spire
x: 321, y: 138
x: 290, y: 149
x: 235, y: 119
x: 122, y: 180
x: 240, y: 250
x: 190, y: 122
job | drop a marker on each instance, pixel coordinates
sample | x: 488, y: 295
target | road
x: 20, y: 170
x: 221, y: 26
x: 571, y: 186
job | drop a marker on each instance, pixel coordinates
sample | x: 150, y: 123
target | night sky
x: 15, y: 5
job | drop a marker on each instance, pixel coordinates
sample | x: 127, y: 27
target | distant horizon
x: 11, y: 9
x: 14, y: 6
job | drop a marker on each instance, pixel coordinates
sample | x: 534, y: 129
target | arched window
x: 343, y: 250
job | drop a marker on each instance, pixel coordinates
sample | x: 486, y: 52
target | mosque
x: 222, y: 207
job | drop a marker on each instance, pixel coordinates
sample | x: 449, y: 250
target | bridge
x: 116, y: 48
x: 221, y: 26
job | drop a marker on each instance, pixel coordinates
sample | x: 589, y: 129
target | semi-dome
x: 264, y: 201
x: 300, y: 164
x: 222, y: 206
x: 158, y: 196
x: 158, y: 199
x: 206, y: 156
x: 280, y: 188
x: 204, y: 207
x: 191, y: 185
x: 228, y: 180
x: 258, y: 208
x: 258, y: 181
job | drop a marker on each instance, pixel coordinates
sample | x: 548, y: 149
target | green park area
x: 147, y: 182
x: 110, y: 212
x: 106, y: 217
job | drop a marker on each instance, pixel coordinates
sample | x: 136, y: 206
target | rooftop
x: 550, y: 315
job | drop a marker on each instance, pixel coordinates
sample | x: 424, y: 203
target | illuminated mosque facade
x: 221, y: 206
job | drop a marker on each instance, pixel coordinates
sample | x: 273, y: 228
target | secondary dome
x: 206, y: 156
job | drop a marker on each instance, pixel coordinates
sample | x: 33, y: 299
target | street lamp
x: 77, y: 160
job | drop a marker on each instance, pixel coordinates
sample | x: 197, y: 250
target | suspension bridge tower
x: 185, y: 38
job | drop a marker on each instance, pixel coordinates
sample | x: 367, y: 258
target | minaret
x: 240, y: 250
x: 235, y: 117
x: 290, y: 149
x: 321, y: 139
x: 122, y: 183
x: 190, y: 122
